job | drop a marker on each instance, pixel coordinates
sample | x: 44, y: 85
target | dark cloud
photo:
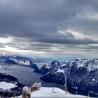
x: 35, y: 17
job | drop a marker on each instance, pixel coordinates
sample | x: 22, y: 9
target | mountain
x: 83, y: 75
x: 10, y: 61
x: 54, y: 73
x: 34, y: 66
x: 79, y: 74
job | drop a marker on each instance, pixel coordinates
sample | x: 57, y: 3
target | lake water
x: 24, y: 74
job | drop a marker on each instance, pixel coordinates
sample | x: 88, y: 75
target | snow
x: 80, y: 64
x: 60, y: 71
x: 47, y: 66
x: 48, y: 92
x: 23, y: 62
x: 6, y: 85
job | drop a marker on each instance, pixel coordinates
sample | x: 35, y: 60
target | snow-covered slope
x: 48, y: 92
x: 7, y: 86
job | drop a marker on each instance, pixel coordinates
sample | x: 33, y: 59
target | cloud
x: 5, y: 40
x: 49, y: 26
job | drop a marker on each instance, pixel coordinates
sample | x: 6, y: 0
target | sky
x: 49, y: 27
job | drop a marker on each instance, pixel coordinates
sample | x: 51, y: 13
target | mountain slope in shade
x: 55, y: 74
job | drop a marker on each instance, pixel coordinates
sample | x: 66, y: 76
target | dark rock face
x: 44, y: 69
x: 34, y: 66
x: 58, y: 78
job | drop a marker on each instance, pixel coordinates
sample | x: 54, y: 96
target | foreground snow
x: 48, y: 92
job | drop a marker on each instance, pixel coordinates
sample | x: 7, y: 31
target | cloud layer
x: 57, y: 27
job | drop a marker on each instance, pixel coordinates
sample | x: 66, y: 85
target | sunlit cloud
x: 6, y: 40
x: 76, y: 34
x: 93, y: 45
x: 13, y: 50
